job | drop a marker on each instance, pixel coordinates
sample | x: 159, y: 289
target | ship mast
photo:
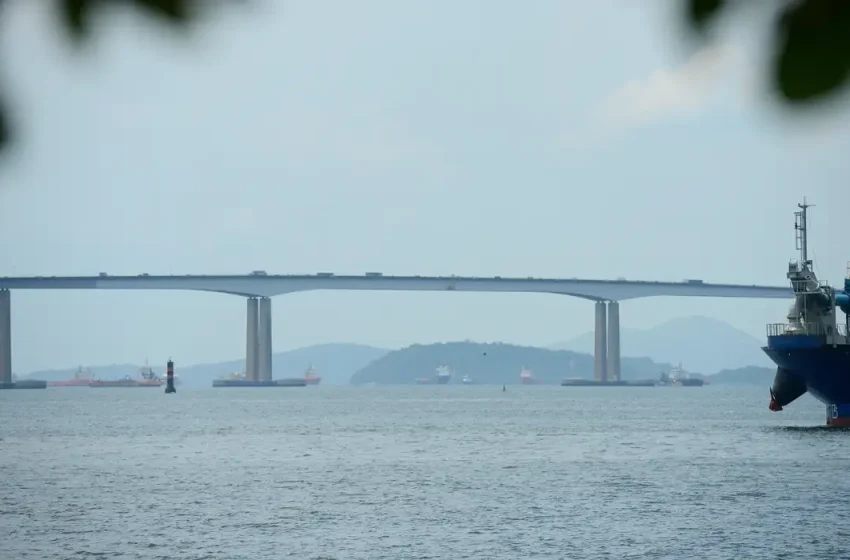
x: 801, y: 230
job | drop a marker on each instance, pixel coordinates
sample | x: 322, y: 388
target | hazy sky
x: 544, y: 138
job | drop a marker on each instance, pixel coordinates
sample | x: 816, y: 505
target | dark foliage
x: 810, y: 50
x: 811, y: 40
x: 74, y: 16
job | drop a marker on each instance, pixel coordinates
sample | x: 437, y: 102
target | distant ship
x: 678, y: 377
x: 442, y: 377
x: 145, y: 378
x: 81, y: 378
x: 237, y: 379
x: 311, y: 377
x: 527, y: 378
x: 467, y: 380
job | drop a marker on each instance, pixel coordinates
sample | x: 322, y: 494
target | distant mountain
x: 336, y: 363
x: 491, y: 363
x: 744, y: 376
x: 702, y: 344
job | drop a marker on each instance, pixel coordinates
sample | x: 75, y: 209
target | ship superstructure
x: 812, y: 349
x: 442, y: 377
x: 679, y: 377
x: 526, y: 377
x: 311, y: 376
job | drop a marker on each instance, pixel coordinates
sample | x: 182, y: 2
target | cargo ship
x: 81, y: 378
x: 311, y: 377
x: 444, y: 374
x: 145, y: 378
x: 812, y: 350
x: 526, y: 377
x: 238, y: 379
x: 678, y: 377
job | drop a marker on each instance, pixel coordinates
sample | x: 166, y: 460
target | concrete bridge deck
x: 259, y: 287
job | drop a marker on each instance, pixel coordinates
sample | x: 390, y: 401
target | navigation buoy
x: 504, y: 388
x: 169, y: 378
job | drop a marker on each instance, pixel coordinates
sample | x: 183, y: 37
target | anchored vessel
x: 146, y: 378
x: 444, y: 373
x: 81, y: 378
x: 812, y: 350
x: 311, y: 377
x: 527, y: 378
x: 678, y: 377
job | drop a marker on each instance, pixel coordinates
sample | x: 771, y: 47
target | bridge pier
x: 264, y: 357
x: 606, y: 353
x: 613, y: 341
x: 600, y: 371
x: 5, y: 339
x: 251, y: 342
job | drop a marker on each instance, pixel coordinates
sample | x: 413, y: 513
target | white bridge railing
x: 806, y: 329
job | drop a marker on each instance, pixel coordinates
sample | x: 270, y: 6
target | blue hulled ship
x: 812, y: 350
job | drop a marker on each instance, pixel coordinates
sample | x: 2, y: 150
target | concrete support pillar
x: 613, y: 341
x: 265, y: 327
x: 600, y: 372
x: 251, y: 342
x: 5, y: 338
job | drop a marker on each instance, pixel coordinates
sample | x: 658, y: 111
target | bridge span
x: 258, y: 287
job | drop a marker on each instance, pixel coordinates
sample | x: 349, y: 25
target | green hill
x: 496, y: 363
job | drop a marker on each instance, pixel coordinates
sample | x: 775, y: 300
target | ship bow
x: 787, y: 387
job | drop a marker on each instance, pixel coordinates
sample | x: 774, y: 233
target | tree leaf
x: 701, y: 12
x: 812, y: 56
x: 74, y: 15
x: 174, y: 11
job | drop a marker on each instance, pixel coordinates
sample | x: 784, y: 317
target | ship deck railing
x: 804, y: 329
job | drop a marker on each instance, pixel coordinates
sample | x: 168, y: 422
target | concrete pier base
x: 600, y: 371
x: 613, y: 359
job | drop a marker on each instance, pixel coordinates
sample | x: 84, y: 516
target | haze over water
x: 419, y: 472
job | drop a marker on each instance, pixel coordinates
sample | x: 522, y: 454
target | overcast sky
x: 544, y: 138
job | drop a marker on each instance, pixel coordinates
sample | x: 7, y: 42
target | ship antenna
x: 800, y: 226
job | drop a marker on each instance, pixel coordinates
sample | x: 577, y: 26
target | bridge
x: 259, y: 287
